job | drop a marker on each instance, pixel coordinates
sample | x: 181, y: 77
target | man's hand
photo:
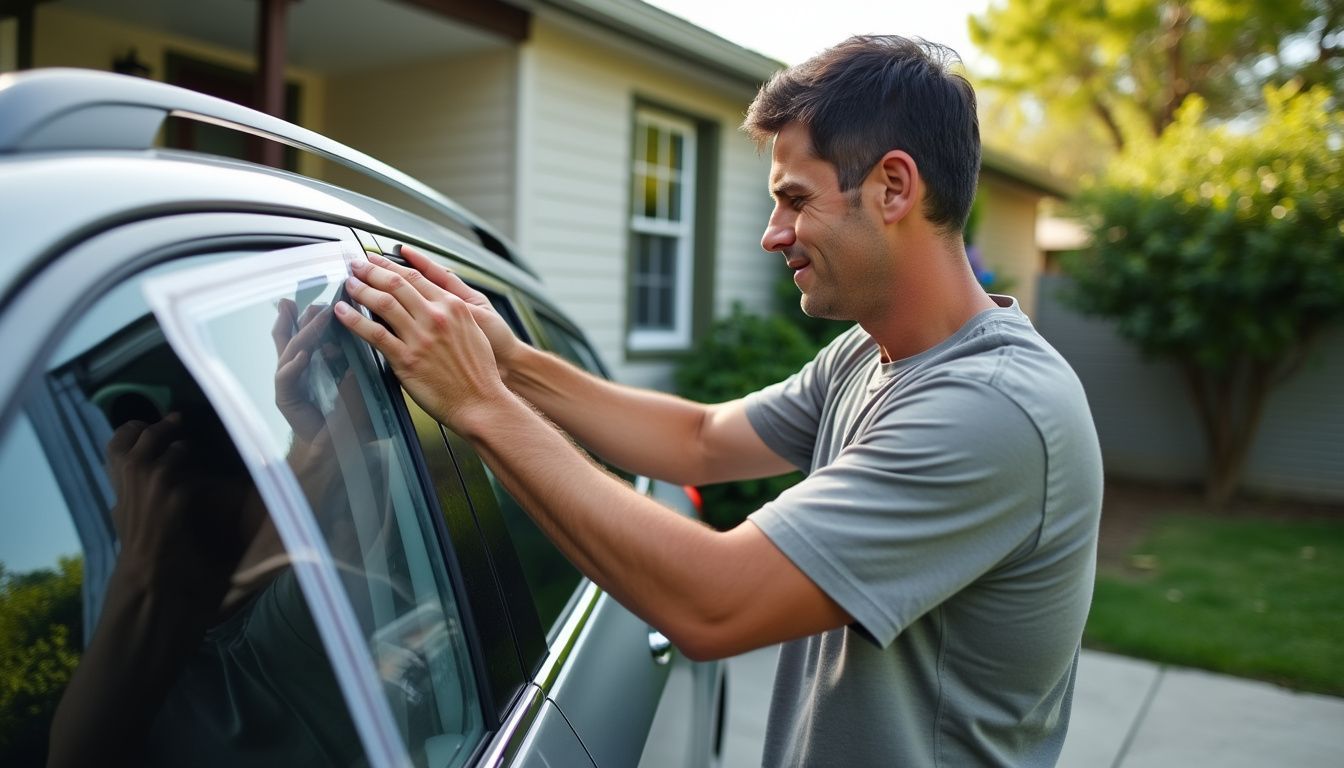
x: 436, y: 345
x: 502, y: 341
x: 179, y: 526
x: 296, y: 340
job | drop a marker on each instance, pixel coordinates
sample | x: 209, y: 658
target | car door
x: 343, y: 634
x: 602, y: 666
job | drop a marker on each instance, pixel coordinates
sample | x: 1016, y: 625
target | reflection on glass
x: 318, y: 390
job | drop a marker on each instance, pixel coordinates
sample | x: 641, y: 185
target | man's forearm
x: 657, y: 563
x: 646, y: 432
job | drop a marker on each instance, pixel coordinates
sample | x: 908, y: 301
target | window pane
x: 674, y: 157
x: 651, y: 197
x: 674, y: 201
x: 655, y: 281
x: 41, y: 597
x: 232, y: 666
x: 331, y: 416
x: 551, y: 578
x: 651, y: 140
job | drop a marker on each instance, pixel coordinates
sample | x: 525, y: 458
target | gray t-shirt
x: 950, y: 507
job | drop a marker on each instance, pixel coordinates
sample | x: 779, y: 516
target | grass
x: 1254, y: 598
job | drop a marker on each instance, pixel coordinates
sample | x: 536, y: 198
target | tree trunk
x: 1230, y: 403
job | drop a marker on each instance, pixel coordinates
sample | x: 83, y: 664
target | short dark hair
x: 872, y: 94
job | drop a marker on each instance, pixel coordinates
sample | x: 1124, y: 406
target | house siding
x: 449, y: 122
x: 67, y: 38
x: 578, y: 90
x: 1147, y: 425
x: 1007, y: 236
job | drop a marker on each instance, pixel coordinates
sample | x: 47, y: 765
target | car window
x: 551, y: 579
x: 571, y: 346
x: 132, y: 487
x: 313, y: 397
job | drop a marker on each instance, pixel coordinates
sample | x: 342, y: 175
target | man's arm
x: 646, y: 432
x: 714, y: 594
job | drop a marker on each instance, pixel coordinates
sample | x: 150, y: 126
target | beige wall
x: 66, y: 38
x: 1007, y: 235
x: 9, y: 45
x: 449, y: 122
x: 578, y: 90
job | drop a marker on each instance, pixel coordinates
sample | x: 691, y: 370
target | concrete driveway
x: 1126, y: 714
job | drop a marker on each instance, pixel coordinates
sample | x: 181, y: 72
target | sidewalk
x: 1126, y: 714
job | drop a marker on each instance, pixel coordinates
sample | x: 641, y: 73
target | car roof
x: 51, y: 199
x: 77, y: 156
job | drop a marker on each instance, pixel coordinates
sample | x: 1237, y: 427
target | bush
x: 1222, y: 250
x: 740, y: 354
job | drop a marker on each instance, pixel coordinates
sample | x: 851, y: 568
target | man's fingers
x: 283, y: 328
x: 388, y: 295
x: 437, y: 274
x: 374, y: 333
x: 288, y: 374
x: 121, y: 443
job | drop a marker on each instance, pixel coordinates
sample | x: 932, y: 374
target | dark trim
x: 238, y: 86
x: 704, y: 232
x: 24, y: 12
x: 270, y: 80
x: 708, y: 179
x: 498, y: 17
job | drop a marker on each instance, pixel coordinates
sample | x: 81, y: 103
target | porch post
x: 271, y: 56
x: 23, y: 16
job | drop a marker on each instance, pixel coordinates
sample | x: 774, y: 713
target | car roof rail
x: 71, y: 109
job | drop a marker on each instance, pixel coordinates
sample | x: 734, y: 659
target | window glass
x: 195, y: 638
x: 662, y: 178
x: 551, y: 578
x: 316, y: 390
x: 170, y: 624
x: 571, y: 346
x: 41, y: 601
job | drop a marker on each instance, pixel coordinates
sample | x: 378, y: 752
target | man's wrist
x: 476, y: 419
x: 512, y: 366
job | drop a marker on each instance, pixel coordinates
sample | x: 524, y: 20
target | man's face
x: 831, y: 241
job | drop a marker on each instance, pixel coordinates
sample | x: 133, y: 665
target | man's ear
x: 900, y: 183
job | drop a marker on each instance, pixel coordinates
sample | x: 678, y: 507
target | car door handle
x: 660, y: 647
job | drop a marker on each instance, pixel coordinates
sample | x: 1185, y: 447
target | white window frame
x: 679, y: 336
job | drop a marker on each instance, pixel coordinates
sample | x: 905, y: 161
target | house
x: 600, y: 135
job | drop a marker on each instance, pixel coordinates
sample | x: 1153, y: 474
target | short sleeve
x: 937, y: 490
x: 787, y: 415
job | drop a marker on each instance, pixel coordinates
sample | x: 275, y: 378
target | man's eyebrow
x: 788, y: 189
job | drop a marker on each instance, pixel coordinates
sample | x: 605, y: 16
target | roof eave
x: 674, y: 35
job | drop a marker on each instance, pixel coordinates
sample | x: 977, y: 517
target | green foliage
x: 1222, y: 249
x: 1213, y: 243
x: 41, y: 628
x: 739, y: 355
x: 1253, y: 598
x: 1131, y: 64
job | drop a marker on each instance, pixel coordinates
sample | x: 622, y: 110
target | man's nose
x: 778, y: 233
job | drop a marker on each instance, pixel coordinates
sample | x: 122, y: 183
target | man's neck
x: 936, y: 297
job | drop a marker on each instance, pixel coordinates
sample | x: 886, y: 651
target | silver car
x: 227, y: 536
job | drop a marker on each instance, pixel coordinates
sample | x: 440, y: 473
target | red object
x: 693, y: 494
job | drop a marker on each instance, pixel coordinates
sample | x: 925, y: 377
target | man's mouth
x: 797, y: 262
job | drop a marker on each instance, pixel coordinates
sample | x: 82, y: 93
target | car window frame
x: 83, y: 269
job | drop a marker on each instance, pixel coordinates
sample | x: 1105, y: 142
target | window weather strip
x: 183, y: 302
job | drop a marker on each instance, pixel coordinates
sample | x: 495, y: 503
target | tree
x: 41, y: 630
x: 1132, y: 64
x: 1222, y: 250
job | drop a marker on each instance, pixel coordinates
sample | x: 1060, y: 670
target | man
x: 931, y: 575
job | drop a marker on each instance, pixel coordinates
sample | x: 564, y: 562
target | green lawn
x: 1254, y: 598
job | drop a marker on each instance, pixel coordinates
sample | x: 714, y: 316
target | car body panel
x: 79, y: 223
